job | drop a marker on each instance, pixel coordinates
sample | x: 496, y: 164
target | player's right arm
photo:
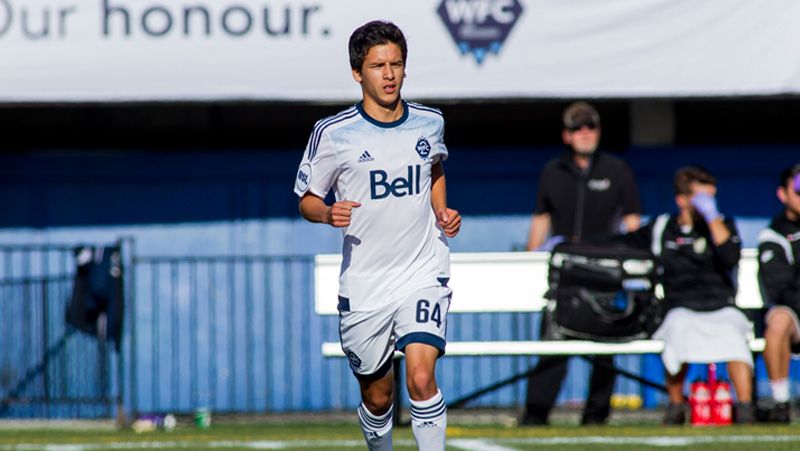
x: 319, y: 171
x: 778, y: 277
x: 313, y: 209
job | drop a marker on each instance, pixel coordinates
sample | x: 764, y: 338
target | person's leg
x: 375, y: 411
x: 780, y: 331
x: 544, y: 384
x: 741, y: 375
x: 420, y: 326
x: 601, y: 386
x: 674, y: 383
x: 676, y: 409
x: 367, y: 343
x: 428, y: 409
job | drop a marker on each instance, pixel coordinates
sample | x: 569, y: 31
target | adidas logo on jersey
x: 365, y: 157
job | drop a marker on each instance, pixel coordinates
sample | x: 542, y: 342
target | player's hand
x: 706, y: 205
x: 340, y: 213
x: 450, y: 221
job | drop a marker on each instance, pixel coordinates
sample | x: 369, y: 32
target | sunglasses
x: 796, y: 183
x: 576, y: 128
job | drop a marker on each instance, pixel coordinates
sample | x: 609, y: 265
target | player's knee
x: 779, y: 326
x: 421, y: 385
x: 378, y: 403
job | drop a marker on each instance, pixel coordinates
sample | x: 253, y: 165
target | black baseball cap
x: 579, y: 114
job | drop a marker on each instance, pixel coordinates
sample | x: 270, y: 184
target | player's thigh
x: 367, y: 342
x: 422, y: 318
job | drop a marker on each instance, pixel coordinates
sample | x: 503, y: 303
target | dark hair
x: 788, y: 174
x: 685, y: 176
x: 377, y: 32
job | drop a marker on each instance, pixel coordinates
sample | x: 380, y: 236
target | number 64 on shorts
x: 370, y: 338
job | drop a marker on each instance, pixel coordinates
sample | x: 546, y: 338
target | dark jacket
x: 696, y: 274
x: 778, y: 268
x: 587, y: 205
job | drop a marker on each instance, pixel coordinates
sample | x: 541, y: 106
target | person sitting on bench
x: 699, y: 250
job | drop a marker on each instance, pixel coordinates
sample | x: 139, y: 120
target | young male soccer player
x: 382, y: 158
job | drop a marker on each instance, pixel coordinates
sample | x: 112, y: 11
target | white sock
x: 429, y: 422
x: 780, y: 389
x: 377, y: 429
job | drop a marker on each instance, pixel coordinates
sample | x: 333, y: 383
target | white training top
x: 393, y: 245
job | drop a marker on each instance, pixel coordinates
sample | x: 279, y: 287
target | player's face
x: 684, y: 201
x: 790, y: 199
x: 583, y: 140
x: 381, y: 76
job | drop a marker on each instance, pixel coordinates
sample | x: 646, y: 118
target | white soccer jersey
x: 393, y: 245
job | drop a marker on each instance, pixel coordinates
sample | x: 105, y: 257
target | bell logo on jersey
x: 423, y: 147
x: 381, y: 188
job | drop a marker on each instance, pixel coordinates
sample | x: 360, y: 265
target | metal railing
x: 47, y: 369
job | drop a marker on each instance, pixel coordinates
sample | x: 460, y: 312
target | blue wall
x: 53, y: 189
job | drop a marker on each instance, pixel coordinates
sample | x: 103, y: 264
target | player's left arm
x: 449, y: 220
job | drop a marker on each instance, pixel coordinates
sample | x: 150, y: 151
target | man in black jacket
x: 779, y: 277
x: 699, y: 250
x: 585, y: 194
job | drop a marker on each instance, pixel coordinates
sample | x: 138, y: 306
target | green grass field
x: 346, y: 436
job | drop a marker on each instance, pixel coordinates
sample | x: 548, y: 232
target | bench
x: 524, y: 276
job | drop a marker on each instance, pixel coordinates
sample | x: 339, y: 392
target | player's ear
x: 357, y: 76
x: 781, y: 193
x: 566, y: 137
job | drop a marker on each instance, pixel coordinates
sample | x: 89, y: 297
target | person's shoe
x: 675, y: 415
x: 769, y: 411
x: 744, y: 413
x: 532, y: 420
x: 590, y: 421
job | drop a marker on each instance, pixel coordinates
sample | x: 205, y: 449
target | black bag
x: 602, y: 292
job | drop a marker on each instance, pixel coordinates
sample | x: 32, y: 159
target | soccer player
x: 383, y: 159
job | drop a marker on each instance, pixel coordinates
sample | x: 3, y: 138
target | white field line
x: 502, y: 444
x: 664, y: 441
x: 476, y: 445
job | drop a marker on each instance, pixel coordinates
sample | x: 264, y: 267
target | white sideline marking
x: 464, y: 444
x: 663, y: 441
x: 476, y: 445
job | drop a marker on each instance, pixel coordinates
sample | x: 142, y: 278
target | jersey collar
x: 371, y: 120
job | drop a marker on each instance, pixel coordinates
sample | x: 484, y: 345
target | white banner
x: 144, y: 50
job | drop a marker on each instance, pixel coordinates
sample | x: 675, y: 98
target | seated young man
x: 779, y: 277
x: 699, y: 250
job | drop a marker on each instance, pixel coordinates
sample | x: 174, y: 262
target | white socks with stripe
x: 780, y: 390
x: 377, y: 429
x: 429, y: 422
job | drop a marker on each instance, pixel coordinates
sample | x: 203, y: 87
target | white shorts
x: 704, y: 337
x: 369, y: 339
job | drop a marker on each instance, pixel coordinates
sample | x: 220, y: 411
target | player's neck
x: 380, y: 113
x: 581, y: 161
x: 791, y: 215
x: 685, y: 218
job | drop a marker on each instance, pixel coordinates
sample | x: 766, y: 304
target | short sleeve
x: 318, y: 169
x: 439, y: 151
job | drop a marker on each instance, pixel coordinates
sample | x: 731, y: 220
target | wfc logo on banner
x: 479, y: 27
